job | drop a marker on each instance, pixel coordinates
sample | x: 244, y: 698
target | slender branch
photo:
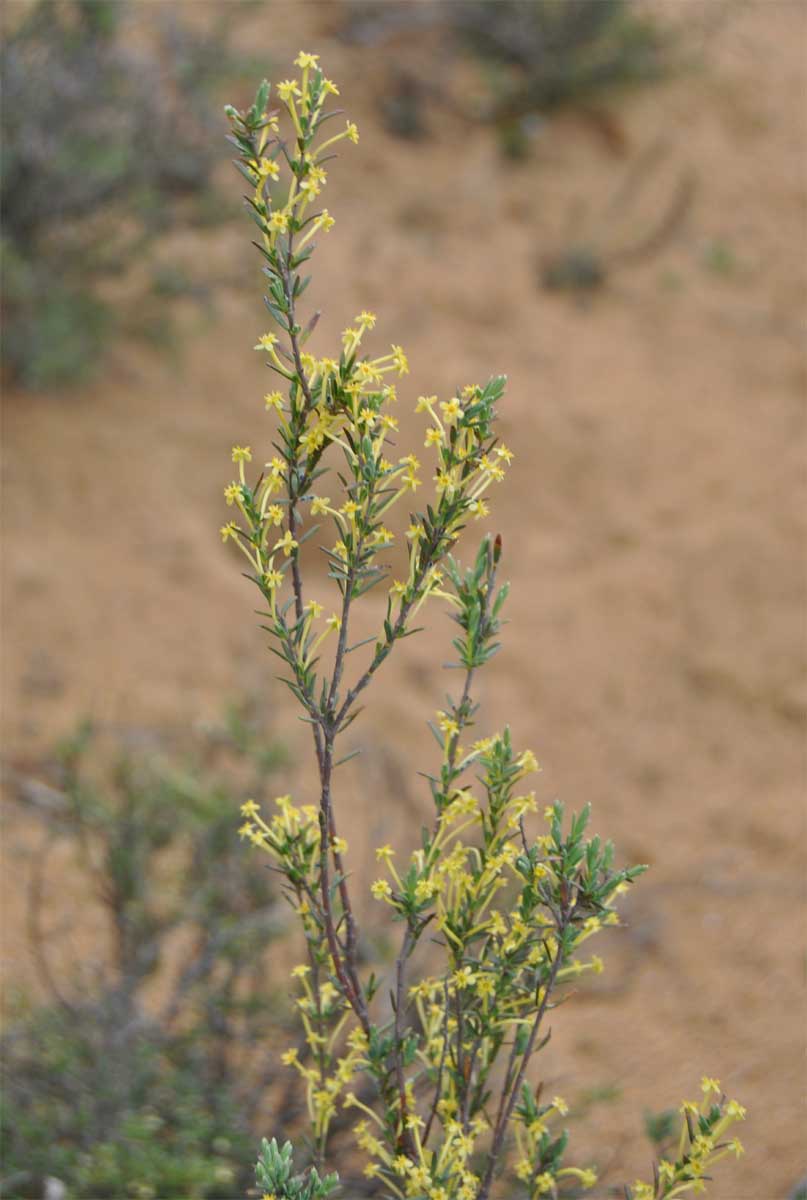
x: 510, y: 1094
x: 406, y: 1141
x: 440, y: 1069
x: 348, y: 981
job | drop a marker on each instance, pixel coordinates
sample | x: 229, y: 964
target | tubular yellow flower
x: 278, y: 223
x: 287, y: 543
x: 287, y: 90
x: 268, y: 169
x: 400, y: 360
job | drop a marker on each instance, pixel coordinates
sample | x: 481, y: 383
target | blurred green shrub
x: 144, y: 1075
x: 539, y: 55
x: 105, y: 124
x: 563, y: 50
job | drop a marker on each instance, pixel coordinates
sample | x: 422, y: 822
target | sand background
x: 653, y: 524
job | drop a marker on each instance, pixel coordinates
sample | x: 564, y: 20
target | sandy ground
x: 653, y: 531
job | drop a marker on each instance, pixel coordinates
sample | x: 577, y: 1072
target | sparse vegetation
x: 111, y: 1087
x: 102, y: 136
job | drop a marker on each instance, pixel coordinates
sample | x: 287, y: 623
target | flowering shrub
x: 509, y: 915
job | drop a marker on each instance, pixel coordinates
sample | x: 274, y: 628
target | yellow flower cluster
x: 331, y: 1072
x: 442, y: 1174
x: 702, y: 1144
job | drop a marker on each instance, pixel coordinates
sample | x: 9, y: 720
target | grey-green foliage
x: 101, y: 132
x: 538, y: 54
x: 274, y: 1172
x: 563, y: 50
x: 107, y: 1088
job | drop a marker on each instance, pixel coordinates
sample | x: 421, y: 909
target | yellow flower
x: 300, y: 972
x: 735, y: 1111
x: 366, y: 319
x: 425, y: 889
x: 384, y: 853
x: 334, y: 622
x: 319, y: 504
x: 352, y: 132
x: 309, y: 188
x: 249, y: 808
x: 400, y: 360
x: 381, y: 890
x: 242, y: 454
x: 278, y: 223
x: 232, y: 493
x: 434, y: 436
x: 289, y: 1057
x: 273, y: 400
x: 230, y: 530
x: 268, y: 168
x: 272, y: 579
x: 447, y: 724
x: 304, y: 60
x: 560, y: 1105
x: 288, y: 89
x: 710, y: 1085
x: 451, y: 409
x: 267, y: 341
x: 287, y: 543
x: 314, y: 607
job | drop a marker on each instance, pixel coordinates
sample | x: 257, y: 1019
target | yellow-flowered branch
x: 509, y: 913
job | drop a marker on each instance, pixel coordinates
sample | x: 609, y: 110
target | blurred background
x: 604, y: 199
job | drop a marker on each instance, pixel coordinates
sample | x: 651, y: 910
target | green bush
x: 107, y: 1089
x: 99, y: 140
